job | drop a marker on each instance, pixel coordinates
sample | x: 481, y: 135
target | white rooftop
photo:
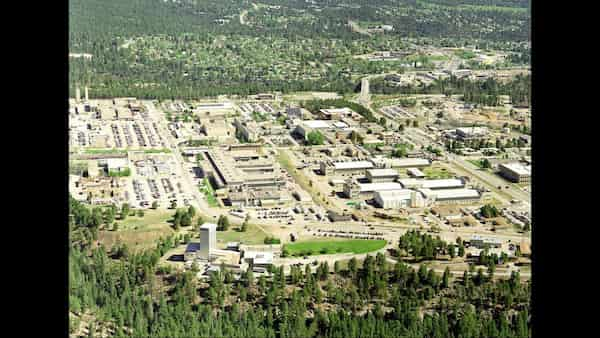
x: 408, y: 162
x: 259, y: 257
x: 450, y: 193
x: 518, y: 168
x: 383, y: 186
x: 353, y: 165
x: 399, y: 194
x: 317, y: 124
x: 382, y: 172
x: 340, y: 125
x: 415, y: 172
x: 432, y: 184
x: 208, y: 226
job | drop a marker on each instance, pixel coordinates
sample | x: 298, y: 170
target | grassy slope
x: 349, y: 246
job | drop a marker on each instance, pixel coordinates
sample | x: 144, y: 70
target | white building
x: 381, y: 162
x: 208, y: 240
x: 516, y: 172
x: 394, y: 199
x: 382, y: 175
x: 451, y: 196
x: 412, y: 183
x: 415, y: 172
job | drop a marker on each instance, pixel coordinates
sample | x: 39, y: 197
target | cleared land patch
x: 356, y: 246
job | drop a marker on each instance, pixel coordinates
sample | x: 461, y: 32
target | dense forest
x: 186, y: 49
x: 130, y: 295
x: 483, y: 92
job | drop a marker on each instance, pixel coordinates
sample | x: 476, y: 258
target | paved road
x: 491, y: 179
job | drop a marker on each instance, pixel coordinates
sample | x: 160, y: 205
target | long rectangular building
x: 451, y: 196
x: 412, y: 183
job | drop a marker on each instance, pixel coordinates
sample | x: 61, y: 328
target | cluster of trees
x: 222, y: 223
x: 124, y: 294
x: 489, y: 211
x: 423, y: 246
x: 315, y: 138
x: 401, y: 149
x: 483, y: 92
x: 271, y: 240
x: 183, y: 217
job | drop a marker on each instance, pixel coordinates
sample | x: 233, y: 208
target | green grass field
x: 252, y: 236
x: 356, y: 246
x: 435, y: 173
x: 477, y: 163
x: 208, y: 191
x: 151, y: 217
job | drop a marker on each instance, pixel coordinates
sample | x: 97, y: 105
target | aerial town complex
x: 395, y: 168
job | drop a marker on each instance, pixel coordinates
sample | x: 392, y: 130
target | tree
x: 173, y: 204
x: 415, y: 124
x: 191, y: 211
x: 485, y: 163
x: 336, y: 267
x: 461, y: 251
x: 222, y: 223
x: 125, y: 211
x: 155, y: 205
x: 315, y: 138
x: 244, y: 226
x: 445, y: 277
x: 140, y: 213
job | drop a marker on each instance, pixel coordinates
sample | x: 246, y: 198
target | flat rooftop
x: 409, y: 162
x: 402, y: 194
x: 384, y: 186
x: 317, y: 124
x: 353, y: 165
x: 382, y: 172
x: 449, y: 194
x: 432, y: 184
x: 208, y: 226
x: 518, y: 168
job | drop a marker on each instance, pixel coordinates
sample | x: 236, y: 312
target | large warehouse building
x: 411, y: 183
x: 345, y: 168
x: 382, y: 175
x: 515, y: 172
x: 396, y: 199
x: 451, y: 196
x: 395, y: 163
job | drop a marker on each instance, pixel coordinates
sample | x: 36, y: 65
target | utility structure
x: 86, y: 93
x: 77, y: 94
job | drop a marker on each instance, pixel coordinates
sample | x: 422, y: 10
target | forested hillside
x: 128, y: 294
x: 191, y: 48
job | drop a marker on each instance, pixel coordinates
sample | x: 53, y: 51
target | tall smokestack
x: 87, y: 96
x: 77, y: 94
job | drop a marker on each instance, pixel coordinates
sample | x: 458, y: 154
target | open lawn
x: 356, y: 246
x: 208, y: 191
x: 252, y: 236
x: 139, y: 232
x: 436, y: 172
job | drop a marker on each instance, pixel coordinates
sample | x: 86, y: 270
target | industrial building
x: 366, y: 190
x: 415, y: 172
x: 471, y: 132
x: 480, y: 242
x: 382, y: 175
x: 412, y: 183
x: 345, y: 168
x: 515, y: 172
x: 396, y: 163
x: 248, y: 177
x: 396, y: 199
x: 451, y: 196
